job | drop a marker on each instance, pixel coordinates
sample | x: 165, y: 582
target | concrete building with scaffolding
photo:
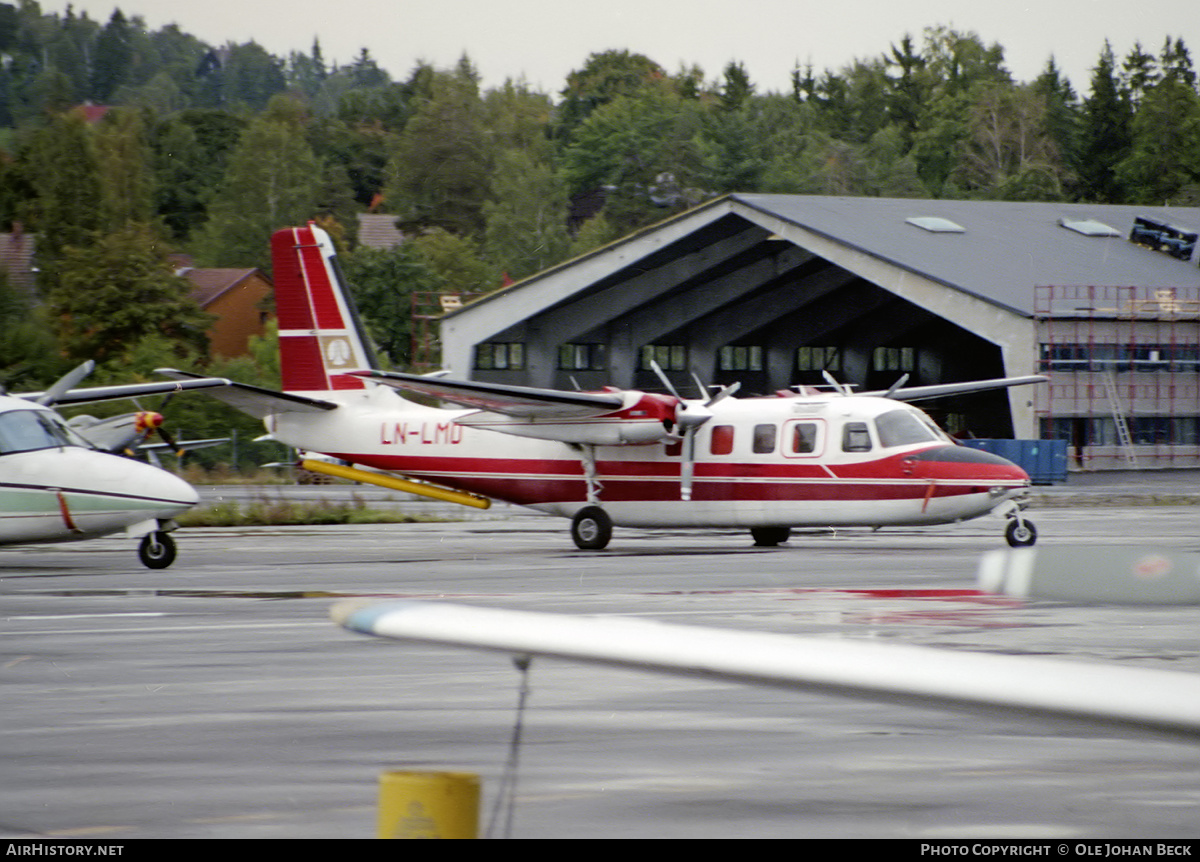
x: 775, y: 291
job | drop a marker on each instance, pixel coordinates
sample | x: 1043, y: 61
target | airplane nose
x: 161, y: 485
x: 962, y: 462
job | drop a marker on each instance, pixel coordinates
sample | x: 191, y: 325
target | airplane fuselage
x: 66, y: 492
x: 778, y: 461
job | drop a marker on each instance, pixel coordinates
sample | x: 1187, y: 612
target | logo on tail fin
x: 320, y: 338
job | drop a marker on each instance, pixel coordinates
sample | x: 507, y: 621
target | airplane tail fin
x: 321, y: 338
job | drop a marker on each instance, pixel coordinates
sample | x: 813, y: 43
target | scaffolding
x: 1124, y: 369
x: 428, y: 307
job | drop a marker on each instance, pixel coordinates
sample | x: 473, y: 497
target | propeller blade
x: 687, y: 463
x: 832, y: 381
x: 66, y: 383
x: 725, y: 392
x: 662, y: 375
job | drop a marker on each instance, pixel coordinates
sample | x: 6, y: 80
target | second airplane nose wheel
x: 157, y: 550
x: 591, y: 528
x: 1020, y: 533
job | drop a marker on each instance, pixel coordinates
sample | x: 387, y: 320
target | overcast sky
x: 543, y: 40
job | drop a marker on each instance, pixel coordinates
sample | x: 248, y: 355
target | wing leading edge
x: 1139, y: 699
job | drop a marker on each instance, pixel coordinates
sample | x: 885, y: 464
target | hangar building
x: 776, y: 290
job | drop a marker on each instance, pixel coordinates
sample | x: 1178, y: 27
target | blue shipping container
x: 1044, y: 460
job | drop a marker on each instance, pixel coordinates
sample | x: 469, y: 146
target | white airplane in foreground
x: 58, y: 485
x: 809, y: 458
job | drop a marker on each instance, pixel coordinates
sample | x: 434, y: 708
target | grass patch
x: 266, y: 512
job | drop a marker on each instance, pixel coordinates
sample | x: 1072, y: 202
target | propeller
x: 147, y: 422
x: 689, y: 416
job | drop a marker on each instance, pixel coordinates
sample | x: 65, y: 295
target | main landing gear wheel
x: 157, y: 550
x: 769, y: 537
x: 1020, y: 534
x: 591, y: 528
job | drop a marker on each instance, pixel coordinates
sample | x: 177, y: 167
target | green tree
x: 526, y: 218
x: 65, y: 173
x: 438, y: 173
x: 1164, y: 156
x: 112, y: 293
x: 123, y: 156
x: 273, y: 180
x: 605, y: 77
x: 640, y: 150
x: 1105, y: 134
x: 383, y: 282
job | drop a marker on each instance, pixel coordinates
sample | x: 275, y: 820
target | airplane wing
x: 521, y: 401
x: 917, y: 393
x: 1138, y: 699
x: 129, y: 390
x: 254, y: 400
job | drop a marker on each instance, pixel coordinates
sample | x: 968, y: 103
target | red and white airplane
x: 811, y: 458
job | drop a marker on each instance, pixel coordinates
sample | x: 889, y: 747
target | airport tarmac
x: 216, y: 699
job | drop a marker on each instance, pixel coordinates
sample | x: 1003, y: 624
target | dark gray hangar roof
x: 998, y: 251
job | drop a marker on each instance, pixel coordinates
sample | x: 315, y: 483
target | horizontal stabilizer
x: 254, y: 400
x: 500, y: 398
x: 1133, y: 698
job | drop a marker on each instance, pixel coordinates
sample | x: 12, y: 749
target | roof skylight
x: 936, y: 224
x: 1089, y: 227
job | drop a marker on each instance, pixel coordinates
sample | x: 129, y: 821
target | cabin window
x: 804, y: 438
x: 27, y: 430
x: 902, y: 428
x: 721, y: 442
x: 500, y: 356
x: 856, y: 437
x: 582, y: 357
x: 764, y: 439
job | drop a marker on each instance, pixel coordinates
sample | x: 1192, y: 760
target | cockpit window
x: 26, y: 430
x: 902, y: 428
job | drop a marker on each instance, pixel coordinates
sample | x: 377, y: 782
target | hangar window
x: 818, y: 359
x: 670, y: 357
x: 583, y: 357
x: 893, y: 358
x: 500, y: 355
x: 741, y: 357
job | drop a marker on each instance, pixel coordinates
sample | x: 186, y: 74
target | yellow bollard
x: 428, y: 805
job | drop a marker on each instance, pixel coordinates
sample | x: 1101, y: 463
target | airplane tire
x: 591, y: 528
x: 1020, y: 534
x: 769, y: 537
x: 157, y: 550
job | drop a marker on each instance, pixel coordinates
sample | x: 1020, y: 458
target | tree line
x: 207, y: 149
